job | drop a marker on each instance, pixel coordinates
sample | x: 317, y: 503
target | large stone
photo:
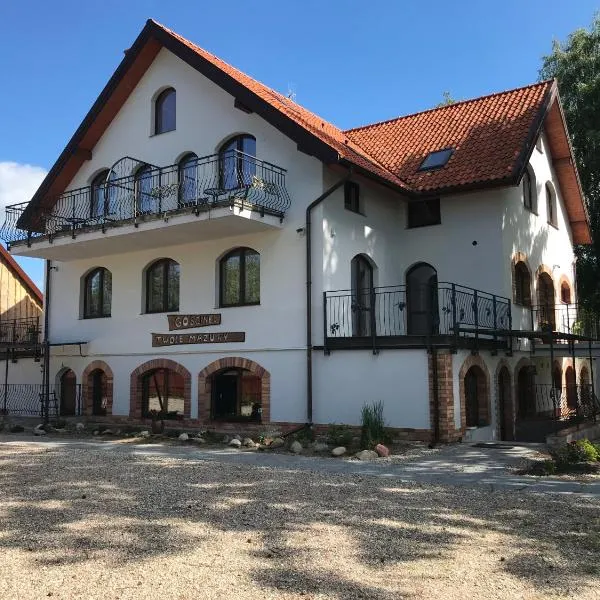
x: 226, y: 439
x: 277, y: 443
x: 367, y: 455
x: 39, y: 430
x: 248, y: 442
x: 339, y: 451
x: 320, y: 447
x: 80, y: 427
x: 237, y: 437
x: 144, y: 434
x: 382, y: 450
x: 235, y: 443
x: 296, y: 447
x: 184, y: 437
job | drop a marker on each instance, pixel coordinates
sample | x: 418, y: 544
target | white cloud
x: 18, y: 182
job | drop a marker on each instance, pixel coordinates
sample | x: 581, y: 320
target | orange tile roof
x: 488, y: 135
x: 319, y: 127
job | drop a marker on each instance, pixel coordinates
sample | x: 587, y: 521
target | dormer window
x: 436, y: 160
x: 165, y: 111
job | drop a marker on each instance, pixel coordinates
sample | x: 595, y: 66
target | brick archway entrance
x: 136, y: 385
x: 205, y: 385
x: 90, y: 382
x: 474, y: 368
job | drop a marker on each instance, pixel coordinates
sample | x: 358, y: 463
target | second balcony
x: 145, y: 206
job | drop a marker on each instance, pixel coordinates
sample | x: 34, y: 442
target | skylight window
x: 436, y: 160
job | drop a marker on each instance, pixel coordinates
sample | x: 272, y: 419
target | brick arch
x: 87, y: 386
x: 564, y: 280
x: 485, y: 412
x: 510, y: 408
x: 232, y: 362
x: 135, y: 385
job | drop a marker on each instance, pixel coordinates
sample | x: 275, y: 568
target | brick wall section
x: 483, y: 390
x: 135, y: 390
x: 232, y: 362
x: 447, y: 428
x: 87, y: 386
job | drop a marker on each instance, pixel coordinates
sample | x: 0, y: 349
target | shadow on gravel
x: 139, y: 507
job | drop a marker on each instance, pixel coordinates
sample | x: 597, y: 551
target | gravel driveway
x: 81, y: 522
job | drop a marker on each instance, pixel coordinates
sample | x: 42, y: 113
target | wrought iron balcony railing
x: 25, y: 332
x: 135, y: 191
x: 439, y: 309
x: 569, y: 319
x: 560, y: 403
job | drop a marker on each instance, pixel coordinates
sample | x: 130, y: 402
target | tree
x: 576, y: 66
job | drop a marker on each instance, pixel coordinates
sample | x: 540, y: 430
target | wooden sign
x: 177, y: 339
x: 190, y: 321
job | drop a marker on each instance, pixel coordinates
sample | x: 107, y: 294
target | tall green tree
x: 576, y: 65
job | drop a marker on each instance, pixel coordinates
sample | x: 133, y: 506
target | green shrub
x: 575, y: 452
x: 339, y: 435
x: 373, y: 425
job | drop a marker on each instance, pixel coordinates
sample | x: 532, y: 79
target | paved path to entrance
x: 461, y: 464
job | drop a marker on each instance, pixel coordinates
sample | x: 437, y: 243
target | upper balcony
x: 144, y: 206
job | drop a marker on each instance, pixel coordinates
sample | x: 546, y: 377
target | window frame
x: 239, y: 162
x: 551, y: 205
x: 102, y: 271
x: 352, y: 200
x: 444, y: 153
x: 242, y: 252
x: 565, y: 286
x: 158, y: 115
x: 437, y: 212
x: 520, y: 287
x: 531, y: 206
x: 166, y: 263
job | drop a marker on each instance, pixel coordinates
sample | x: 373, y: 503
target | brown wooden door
x: 505, y: 405
x: 68, y: 393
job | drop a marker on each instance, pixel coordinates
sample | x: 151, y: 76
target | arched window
x: 362, y: 295
x: 162, y: 286
x: 143, y: 190
x: 476, y: 412
x: 237, y: 162
x: 163, y: 393
x: 422, y: 300
x: 529, y: 190
x: 240, y: 278
x: 188, y: 179
x: 546, y: 310
x: 522, y: 284
x: 99, y: 392
x: 98, y: 194
x: 97, y: 297
x: 165, y: 111
x: 565, y: 293
x: 551, y: 205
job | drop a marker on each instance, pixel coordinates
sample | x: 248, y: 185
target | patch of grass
x: 373, y: 429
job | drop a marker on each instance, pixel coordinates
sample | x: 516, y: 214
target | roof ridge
x: 449, y: 106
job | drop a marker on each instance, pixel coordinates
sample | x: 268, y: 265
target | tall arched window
x: 522, y: 284
x: 545, y: 291
x: 162, y: 286
x: 422, y: 300
x: 237, y: 162
x: 98, y: 194
x: 565, y: 293
x: 529, y: 190
x: 476, y: 410
x: 143, y: 189
x: 188, y: 178
x: 362, y: 296
x: 240, y: 278
x: 97, y: 297
x: 551, y: 205
x: 165, y: 111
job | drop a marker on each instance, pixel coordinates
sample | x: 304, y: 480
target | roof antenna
x: 291, y: 93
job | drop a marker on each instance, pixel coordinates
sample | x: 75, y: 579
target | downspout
x: 46, y: 407
x: 309, y: 344
x: 436, y: 396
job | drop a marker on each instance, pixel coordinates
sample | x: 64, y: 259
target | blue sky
x: 351, y: 62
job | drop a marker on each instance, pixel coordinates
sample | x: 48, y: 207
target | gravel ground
x: 84, y: 523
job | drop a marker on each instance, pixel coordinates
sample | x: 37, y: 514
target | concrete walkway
x: 461, y: 464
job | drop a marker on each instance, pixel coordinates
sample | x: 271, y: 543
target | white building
x: 185, y: 216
